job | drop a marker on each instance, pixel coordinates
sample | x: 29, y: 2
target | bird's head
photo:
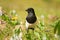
x: 30, y: 10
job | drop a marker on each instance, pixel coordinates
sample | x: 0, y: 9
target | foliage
x: 40, y: 32
x: 10, y: 24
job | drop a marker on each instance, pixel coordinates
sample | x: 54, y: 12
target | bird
x: 30, y: 18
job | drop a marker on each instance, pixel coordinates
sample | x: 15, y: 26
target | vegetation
x: 41, y: 31
x: 48, y: 28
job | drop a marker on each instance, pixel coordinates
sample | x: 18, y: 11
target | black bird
x: 31, y: 18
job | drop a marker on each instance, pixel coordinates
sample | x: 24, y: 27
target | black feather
x: 31, y: 17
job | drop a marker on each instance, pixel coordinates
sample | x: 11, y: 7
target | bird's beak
x: 26, y: 10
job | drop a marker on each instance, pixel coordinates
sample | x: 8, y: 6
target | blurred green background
x: 41, y: 7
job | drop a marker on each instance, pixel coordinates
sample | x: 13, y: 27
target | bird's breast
x: 31, y: 19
